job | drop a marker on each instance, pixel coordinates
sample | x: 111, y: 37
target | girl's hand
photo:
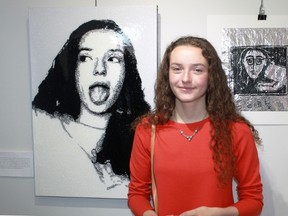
x: 211, y: 211
x: 201, y: 211
x: 149, y: 213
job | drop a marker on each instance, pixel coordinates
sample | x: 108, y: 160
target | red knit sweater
x: 184, y: 171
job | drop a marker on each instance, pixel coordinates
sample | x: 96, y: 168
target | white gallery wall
x: 175, y: 18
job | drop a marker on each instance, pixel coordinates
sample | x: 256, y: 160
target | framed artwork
x: 255, y: 60
x: 243, y: 42
x: 92, y: 75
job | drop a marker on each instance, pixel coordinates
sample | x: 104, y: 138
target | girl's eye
x: 199, y: 70
x: 175, y: 69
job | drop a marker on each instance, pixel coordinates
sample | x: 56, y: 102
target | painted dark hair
x: 58, y: 95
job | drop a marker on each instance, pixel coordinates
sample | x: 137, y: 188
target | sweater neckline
x: 172, y: 122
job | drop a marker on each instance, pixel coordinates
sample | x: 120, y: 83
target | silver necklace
x: 189, y: 138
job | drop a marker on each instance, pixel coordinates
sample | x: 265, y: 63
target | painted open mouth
x: 99, y: 93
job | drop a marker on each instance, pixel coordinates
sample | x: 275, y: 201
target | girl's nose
x: 186, y: 76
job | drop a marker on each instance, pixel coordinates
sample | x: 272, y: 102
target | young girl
x: 202, y: 143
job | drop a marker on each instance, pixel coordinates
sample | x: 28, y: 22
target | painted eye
x: 114, y: 59
x: 259, y: 60
x: 84, y: 58
x: 250, y: 61
x: 114, y: 56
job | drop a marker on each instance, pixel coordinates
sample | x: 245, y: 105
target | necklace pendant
x: 189, y: 138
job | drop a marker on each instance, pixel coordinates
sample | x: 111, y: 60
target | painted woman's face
x: 100, y: 70
x: 254, y: 62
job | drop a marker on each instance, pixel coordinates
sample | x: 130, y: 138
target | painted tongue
x: 99, y: 94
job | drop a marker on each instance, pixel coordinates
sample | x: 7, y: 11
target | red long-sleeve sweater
x: 184, y: 171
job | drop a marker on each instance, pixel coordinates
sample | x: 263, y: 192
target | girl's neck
x: 189, y: 114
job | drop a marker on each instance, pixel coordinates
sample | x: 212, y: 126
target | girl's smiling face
x: 100, y: 69
x: 188, y: 74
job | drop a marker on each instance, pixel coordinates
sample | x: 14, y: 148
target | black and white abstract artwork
x: 255, y: 60
x: 92, y: 74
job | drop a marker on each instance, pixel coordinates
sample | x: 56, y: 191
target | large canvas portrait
x: 92, y: 72
x: 255, y: 60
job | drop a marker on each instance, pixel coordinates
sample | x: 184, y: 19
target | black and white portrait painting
x: 259, y: 70
x: 92, y: 72
x: 256, y: 65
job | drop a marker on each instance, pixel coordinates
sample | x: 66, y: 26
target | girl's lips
x: 186, y: 88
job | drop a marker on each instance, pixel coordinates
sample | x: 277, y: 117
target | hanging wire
x: 261, y: 9
x: 95, y: 3
x: 262, y: 15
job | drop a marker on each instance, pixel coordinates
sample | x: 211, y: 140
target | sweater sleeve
x: 140, y: 172
x: 249, y: 185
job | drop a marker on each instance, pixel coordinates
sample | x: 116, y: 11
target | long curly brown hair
x: 219, y: 102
